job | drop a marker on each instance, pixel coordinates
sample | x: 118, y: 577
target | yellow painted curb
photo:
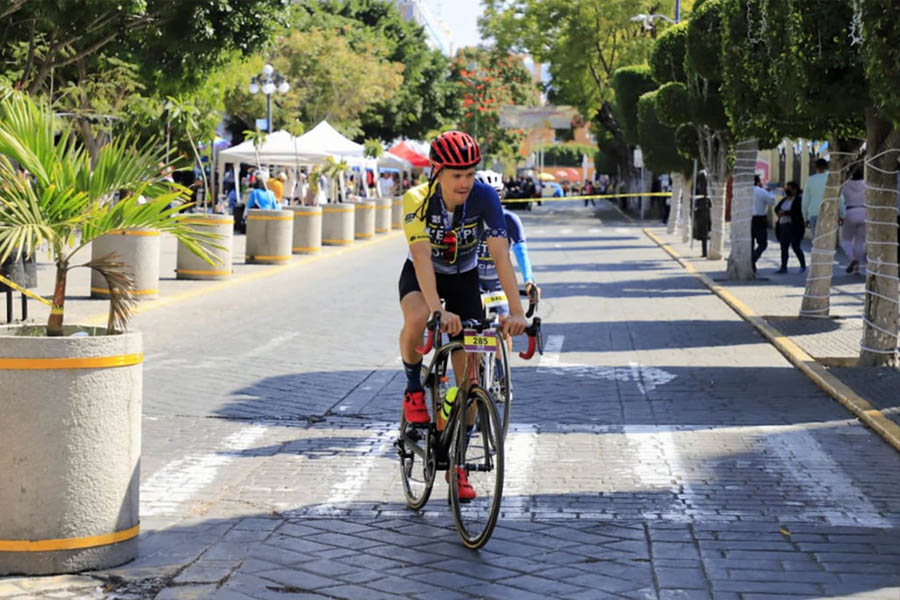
x: 89, y: 362
x: 283, y: 257
x: 201, y: 272
x: 69, y: 543
x: 836, y: 388
x: 135, y: 292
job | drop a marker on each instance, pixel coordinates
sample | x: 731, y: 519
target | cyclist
x: 444, y: 222
x: 487, y: 271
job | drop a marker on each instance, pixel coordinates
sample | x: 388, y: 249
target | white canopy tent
x: 281, y: 148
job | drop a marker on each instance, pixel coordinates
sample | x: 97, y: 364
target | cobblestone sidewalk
x: 833, y: 342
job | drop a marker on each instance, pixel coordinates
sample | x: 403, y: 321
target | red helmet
x: 454, y: 149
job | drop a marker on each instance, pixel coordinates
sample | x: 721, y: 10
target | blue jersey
x: 454, y: 238
x: 487, y: 270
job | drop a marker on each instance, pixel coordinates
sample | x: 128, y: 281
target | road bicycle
x: 471, y: 441
x: 493, y: 370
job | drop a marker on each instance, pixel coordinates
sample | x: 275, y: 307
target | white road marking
x: 365, y: 456
x: 802, y: 459
x: 166, y: 491
x: 565, y: 231
x: 519, y: 454
x: 646, y: 378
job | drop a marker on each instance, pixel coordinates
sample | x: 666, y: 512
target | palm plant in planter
x: 64, y: 201
x: 72, y: 405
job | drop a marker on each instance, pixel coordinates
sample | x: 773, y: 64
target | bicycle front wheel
x: 476, y: 452
x: 416, y: 464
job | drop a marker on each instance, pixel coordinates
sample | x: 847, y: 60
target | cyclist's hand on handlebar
x: 514, y: 325
x: 529, y: 287
x: 450, y: 323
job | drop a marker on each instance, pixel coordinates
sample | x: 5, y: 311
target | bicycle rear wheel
x: 477, y: 450
x: 416, y: 463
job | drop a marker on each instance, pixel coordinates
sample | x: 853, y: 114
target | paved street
x: 659, y: 449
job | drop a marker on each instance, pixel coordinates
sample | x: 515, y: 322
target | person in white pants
x: 853, y: 230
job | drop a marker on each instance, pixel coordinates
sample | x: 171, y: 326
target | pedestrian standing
x: 791, y: 226
x: 260, y: 198
x: 759, y: 226
x: 814, y: 194
x: 588, y: 191
x: 853, y: 229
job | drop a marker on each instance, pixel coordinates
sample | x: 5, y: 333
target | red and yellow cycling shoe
x: 414, y: 410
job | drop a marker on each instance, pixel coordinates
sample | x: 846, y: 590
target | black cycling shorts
x: 459, y: 291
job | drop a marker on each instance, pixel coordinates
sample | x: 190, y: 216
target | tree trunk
x: 627, y: 173
x: 716, y: 185
x: 817, y: 297
x: 740, y: 260
x: 55, y: 322
x: 686, y: 218
x: 879, y: 340
x: 674, y: 202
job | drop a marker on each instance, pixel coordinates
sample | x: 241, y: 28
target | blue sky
x: 461, y: 16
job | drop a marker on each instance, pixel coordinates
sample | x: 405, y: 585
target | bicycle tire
x: 481, y: 456
x: 503, y: 387
x: 416, y: 471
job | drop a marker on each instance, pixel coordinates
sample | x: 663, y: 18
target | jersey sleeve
x: 413, y: 217
x: 492, y: 213
x: 514, y: 229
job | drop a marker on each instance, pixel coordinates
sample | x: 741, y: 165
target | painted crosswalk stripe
x: 167, y: 491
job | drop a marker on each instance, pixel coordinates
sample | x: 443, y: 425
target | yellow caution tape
x: 593, y: 197
x: 28, y: 293
x: 69, y: 543
x: 59, y: 364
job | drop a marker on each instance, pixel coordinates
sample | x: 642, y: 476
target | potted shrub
x: 71, y: 395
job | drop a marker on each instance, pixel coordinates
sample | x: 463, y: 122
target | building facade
x: 437, y: 33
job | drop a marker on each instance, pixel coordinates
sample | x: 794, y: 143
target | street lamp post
x: 267, y: 82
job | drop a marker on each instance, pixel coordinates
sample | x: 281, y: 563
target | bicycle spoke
x: 477, y: 453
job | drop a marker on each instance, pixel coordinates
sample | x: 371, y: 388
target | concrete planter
x: 364, y: 219
x: 307, y: 229
x: 382, y: 215
x: 338, y: 224
x: 191, y: 266
x: 139, y: 249
x: 269, y: 236
x: 71, y: 432
x: 397, y: 213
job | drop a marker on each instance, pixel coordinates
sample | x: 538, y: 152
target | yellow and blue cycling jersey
x: 454, y: 238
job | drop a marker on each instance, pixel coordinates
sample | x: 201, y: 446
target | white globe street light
x: 268, y: 82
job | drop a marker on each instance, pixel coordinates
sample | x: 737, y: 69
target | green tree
x: 567, y: 155
x: 694, y: 106
x: 661, y: 154
x: 584, y: 42
x: 427, y: 99
x: 66, y: 201
x: 335, y: 74
x: 487, y: 81
x: 94, y: 58
x: 876, y: 30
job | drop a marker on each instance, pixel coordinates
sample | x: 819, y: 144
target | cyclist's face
x: 456, y: 184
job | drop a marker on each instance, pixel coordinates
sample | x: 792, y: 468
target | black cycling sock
x: 413, y: 376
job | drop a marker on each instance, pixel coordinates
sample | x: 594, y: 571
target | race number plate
x: 492, y: 299
x: 486, y: 341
